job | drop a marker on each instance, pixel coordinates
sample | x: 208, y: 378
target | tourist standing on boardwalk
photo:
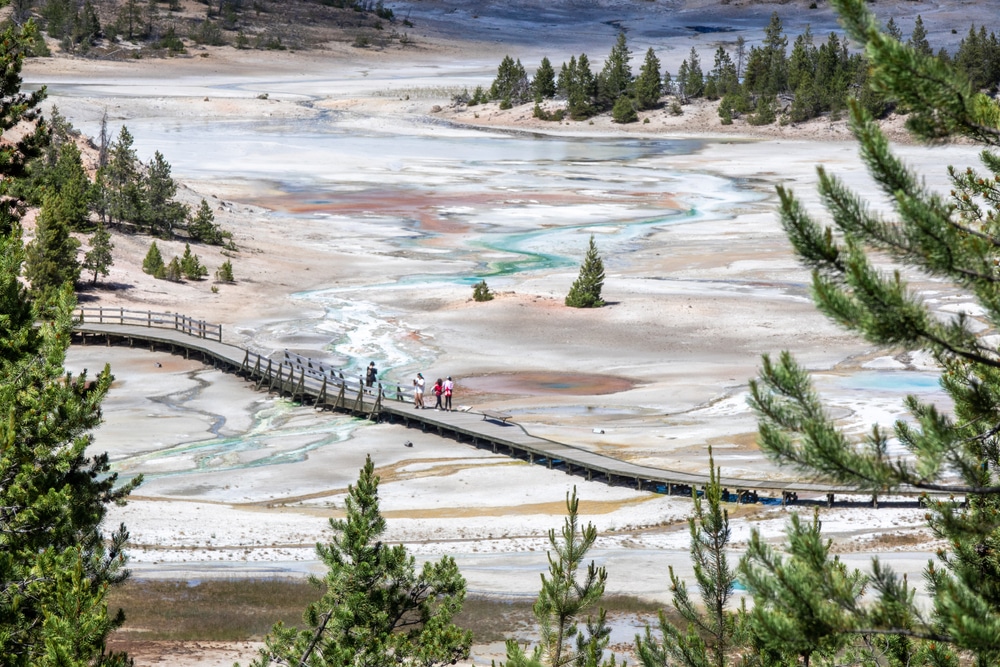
x: 371, y: 375
x: 449, y: 387
x: 438, y: 390
x: 418, y: 391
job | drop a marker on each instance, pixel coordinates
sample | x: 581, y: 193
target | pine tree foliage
x: 710, y: 631
x: 224, y: 274
x: 648, y: 85
x: 152, y: 263
x: 202, y: 227
x: 99, y: 258
x: 564, y: 599
x: 51, y: 261
x: 160, y: 213
x: 55, y: 564
x: 953, y: 240
x: 615, y: 79
x: 191, y: 265
x: 173, y: 271
x: 377, y: 611
x: 586, y: 289
x: 543, y: 85
x: 511, y: 83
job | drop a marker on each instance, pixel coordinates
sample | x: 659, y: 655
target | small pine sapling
x: 153, y: 263
x: 482, y: 292
x: 586, y: 290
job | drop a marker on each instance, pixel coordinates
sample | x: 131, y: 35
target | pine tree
x: 376, y: 611
x: 511, y: 82
x: 615, y: 79
x: 55, y: 564
x: 122, y: 181
x: 582, y: 87
x: 724, y: 73
x: 160, y: 213
x: 224, y: 274
x: 586, y: 289
x: 203, y: 229
x: 482, y: 292
x: 191, y: 265
x: 153, y: 262
x: 564, y: 599
x: 69, y: 188
x: 648, y: 85
x: 51, y: 258
x: 951, y: 240
x: 624, y: 110
x: 709, y: 635
x: 543, y: 85
x: 803, y: 604
x: 173, y: 272
x: 918, y: 38
x: 99, y: 259
x: 694, y: 83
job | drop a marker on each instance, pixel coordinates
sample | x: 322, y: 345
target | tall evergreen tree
x: 710, y: 630
x: 564, y: 599
x: 161, y: 214
x: 694, y: 85
x: 586, y: 289
x: 648, y: 85
x: 202, y: 228
x: 724, y: 73
x: 803, y: 603
x: 376, y: 611
x: 55, y: 564
x: 918, y: 38
x: 153, y: 263
x: 69, y: 188
x: 543, y: 85
x: 511, y: 82
x: 122, y: 181
x: 99, y: 258
x: 615, y: 79
x: 581, y: 88
x: 51, y: 258
x: 958, y: 453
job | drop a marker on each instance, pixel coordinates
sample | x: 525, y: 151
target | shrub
x: 481, y: 292
x: 153, y: 263
x: 173, y: 272
x: 224, y: 274
x: 586, y: 290
x: 191, y: 265
x: 624, y: 110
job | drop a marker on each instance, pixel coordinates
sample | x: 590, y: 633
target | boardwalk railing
x: 309, y: 380
x: 148, y: 318
x: 302, y: 378
x: 319, y: 370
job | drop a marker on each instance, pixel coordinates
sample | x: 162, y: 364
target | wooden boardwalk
x: 310, y: 381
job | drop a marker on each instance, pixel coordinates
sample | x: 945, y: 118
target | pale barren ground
x: 350, y: 256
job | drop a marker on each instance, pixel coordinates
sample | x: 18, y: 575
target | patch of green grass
x: 241, y: 609
x: 215, y: 610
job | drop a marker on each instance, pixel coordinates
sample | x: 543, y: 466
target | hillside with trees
x: 760, y: 83
x: 120, y: 29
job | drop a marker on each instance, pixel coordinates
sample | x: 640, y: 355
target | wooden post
x: 121, y: 316
x: 149, y: 319
x: 829, y: 500
x: 321, y: 399
x: 875, y: 500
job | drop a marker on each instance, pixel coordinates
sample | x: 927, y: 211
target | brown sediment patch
x: 734, y: 442
x: 553, y: 509
x: 541, y: 382
x: 434, y: 210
